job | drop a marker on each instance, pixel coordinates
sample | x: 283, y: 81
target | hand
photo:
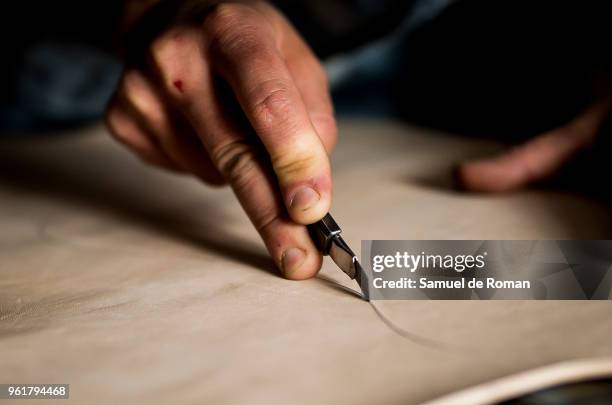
x: 172, y: 113
x: 537, y: 159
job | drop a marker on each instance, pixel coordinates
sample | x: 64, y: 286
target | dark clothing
x: 508, y: 68
x: 57, y: 68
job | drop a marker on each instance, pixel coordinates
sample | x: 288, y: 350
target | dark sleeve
x: 25, y: 24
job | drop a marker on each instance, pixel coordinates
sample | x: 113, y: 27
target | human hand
x: 537, y: 159
x: 172, y: 112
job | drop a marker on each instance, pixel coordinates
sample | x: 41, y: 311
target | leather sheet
x: 137, y: 286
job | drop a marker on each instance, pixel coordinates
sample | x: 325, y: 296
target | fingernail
x: 305, y: 198
x: 292, y: 259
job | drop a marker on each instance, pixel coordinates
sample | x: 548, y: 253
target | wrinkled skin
x: 170, y: 112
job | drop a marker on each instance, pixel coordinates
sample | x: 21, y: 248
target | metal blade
x: 343, y: 256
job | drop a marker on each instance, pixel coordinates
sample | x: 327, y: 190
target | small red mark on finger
x: 179, y: 85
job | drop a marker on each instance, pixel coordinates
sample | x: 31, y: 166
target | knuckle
x: 159, y: 51
x: 237, y: 161
x: 244, y: 43
x: 165, y: 47
x: 235, y: 31
x: 136, y: 92
x: 226, y: 14
x: 172, y: 58
x: 265, y: 218
x: 271, y: 102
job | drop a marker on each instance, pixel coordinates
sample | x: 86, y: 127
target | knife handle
x: 323, y: 231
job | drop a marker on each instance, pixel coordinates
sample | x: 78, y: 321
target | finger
x: 127, y: 130
x: 536, y: 159
x: 248, y: 58
x: 238, y: 157
x: 179, y: 142
x: 525, y: 164
x: 311, y: 80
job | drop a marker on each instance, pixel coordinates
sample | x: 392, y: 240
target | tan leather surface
x: 137, y: 286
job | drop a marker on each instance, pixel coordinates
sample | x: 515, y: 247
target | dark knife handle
x: 322, y: 232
